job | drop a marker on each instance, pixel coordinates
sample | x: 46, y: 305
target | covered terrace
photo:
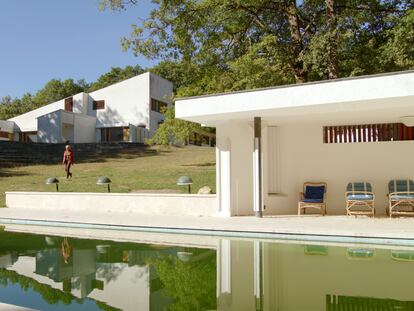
x: 270, y: 141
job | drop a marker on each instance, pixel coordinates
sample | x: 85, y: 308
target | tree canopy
x: 211, y: 46
x: 220, y: 45
x: 53, y: 91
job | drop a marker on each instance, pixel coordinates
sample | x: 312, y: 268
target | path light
x: 185, y: 181
x: 184, y: 256
x: 103, y: 180
x: 53, y: 180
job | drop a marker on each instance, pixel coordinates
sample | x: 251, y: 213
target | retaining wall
x: 136, y: 203
x: 17, y: 153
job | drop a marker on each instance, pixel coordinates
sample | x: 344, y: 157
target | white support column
x: 257, y: 168
x: 258, y: 275
x: 224, y: 294
x: 223, y: 177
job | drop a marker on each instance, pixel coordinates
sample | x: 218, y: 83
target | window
x: 157, y: 105
x: 69, y: 104
x: 114, y: 134
x: 98, y: 104
x: 5, y: 135
x: 367, y: 133
x: 26, y: 137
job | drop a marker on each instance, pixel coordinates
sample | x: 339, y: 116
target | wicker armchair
x: 313, y: 196
x: 359, y: 199
x: 400, y: 197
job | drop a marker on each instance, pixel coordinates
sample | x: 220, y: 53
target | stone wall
x: 16, y: 153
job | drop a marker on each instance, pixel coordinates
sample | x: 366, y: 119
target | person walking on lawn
x: 68, y: 160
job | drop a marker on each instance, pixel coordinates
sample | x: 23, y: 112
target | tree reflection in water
x: 190, y: 283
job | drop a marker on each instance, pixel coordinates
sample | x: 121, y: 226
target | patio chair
x: 359, y: 199
x: 401, y: 197
x: 360, y: 253
x: 313, y: 196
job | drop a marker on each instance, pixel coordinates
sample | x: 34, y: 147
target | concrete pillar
x: 224, y: 294
x: 257, y: 168
x: 223, y: 176
x: 258, y: 275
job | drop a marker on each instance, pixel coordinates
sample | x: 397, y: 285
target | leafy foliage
x: 172, y: 130
x: 219, y: 45
x: 53, y: 91
x: 399, y: 49
x: 192, y: 285
x: 115, y: 75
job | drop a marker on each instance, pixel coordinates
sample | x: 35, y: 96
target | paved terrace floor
x: 310, y: 227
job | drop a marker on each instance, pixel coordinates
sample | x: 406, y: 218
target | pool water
x: 65, y: 273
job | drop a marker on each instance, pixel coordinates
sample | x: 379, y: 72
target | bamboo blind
x: 367, y: 133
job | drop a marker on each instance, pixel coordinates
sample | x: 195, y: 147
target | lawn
x: 156, y: 171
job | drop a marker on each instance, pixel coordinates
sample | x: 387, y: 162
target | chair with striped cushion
x: 401, y: 197
x: 313, y: 196
x: 359, y: 199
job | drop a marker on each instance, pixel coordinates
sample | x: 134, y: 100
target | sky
x: 45, y: 39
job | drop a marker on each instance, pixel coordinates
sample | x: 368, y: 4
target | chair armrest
x: 359, y: 192
x: 401, y: 192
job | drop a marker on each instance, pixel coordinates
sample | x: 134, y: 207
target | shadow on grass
x: 205, y: 164
x: 6, y: 172
x: 99, y: 156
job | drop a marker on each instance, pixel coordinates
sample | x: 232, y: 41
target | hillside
x: 153, y: 171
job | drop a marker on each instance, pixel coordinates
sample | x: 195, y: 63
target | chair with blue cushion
x: 313, y: 196
x: 401, y: 197
x: 359, y: 199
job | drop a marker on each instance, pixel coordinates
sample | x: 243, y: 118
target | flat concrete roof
x: 380, y: 98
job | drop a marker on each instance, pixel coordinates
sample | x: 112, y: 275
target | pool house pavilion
x: 271, y: 141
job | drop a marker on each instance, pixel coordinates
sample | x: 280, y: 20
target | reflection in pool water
x: 60, y: 273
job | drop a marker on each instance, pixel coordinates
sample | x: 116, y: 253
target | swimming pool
x: 66, y: 273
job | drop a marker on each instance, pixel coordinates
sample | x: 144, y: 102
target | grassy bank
x: 129, y: 173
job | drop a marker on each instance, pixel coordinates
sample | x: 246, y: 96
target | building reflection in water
x: 221, y: 274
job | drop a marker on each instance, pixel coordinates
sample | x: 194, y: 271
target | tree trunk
x: 297, y: 44
x: 332, y: 45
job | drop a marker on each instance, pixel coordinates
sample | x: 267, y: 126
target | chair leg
x: 298, y: 209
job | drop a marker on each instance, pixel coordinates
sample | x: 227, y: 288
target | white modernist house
x: 270, y: 141
x: 126, y: 111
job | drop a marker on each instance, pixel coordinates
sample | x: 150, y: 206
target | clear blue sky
x: 45, y: 39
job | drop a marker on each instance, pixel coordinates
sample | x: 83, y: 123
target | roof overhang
x: 369, y: 99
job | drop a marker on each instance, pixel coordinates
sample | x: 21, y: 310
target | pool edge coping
x: 216, y: 232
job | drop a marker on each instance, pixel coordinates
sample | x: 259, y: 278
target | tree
x: 56, y: 90
x: 296, y: 41
x: 172, y: 130
x: 399, y: 50
x: 192, y: 284
x: 115, y: 75
x: 53, y: 91
x: 9, y: 107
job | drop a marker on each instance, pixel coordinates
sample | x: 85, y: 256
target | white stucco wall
x: 155, y: 120
x: 80, y: 103
x: 28, y: 121
x: 237, y: 138
x: 49, y: 128
x: 84, y: 128
x: 125, y: 102
x: 139, y: 203
x: 7, y: 126
x: 161, y: 89
x: 304, y: 157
